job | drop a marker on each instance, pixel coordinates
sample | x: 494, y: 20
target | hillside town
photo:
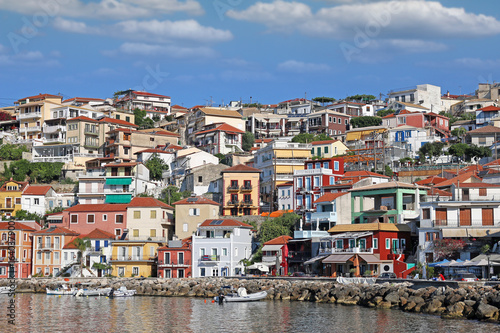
x: 133, y: 186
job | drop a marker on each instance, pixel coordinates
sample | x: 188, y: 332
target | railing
x: 347, y: 250
x: 132, y: 258
x: 246, y: 187
x: 247, y: 202
x: 233, y: 188
x: 146, y: 238
x: 2, y: 206
x: 232, y: 202
x: 94, y: 251
x: 86, y: 155
x: 30, y: 129
x: 45, y: 246
x: 52, y: 129
x: 119, y: 191
x: 52, y: 158
x: 299, y: 255
x: 50, y: 140
x: 434, y: 167
x: 313, y: 171
x: 90, y: 174
x: 30, y: 115
x: 329, y: 216
x: 210, y: 258
x: 457, y: 224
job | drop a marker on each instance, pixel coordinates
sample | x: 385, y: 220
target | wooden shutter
x: 465, y: 217
x: 487, y: 216
x: 441, y: 216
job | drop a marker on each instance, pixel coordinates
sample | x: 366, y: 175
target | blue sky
x: 272, y: 50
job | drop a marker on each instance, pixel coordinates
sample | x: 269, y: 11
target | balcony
x: 4, y: 243
x: 30, y: 115
x: 30, y: 129
x: 94, y: 252
x: 6, y: 207
x: 52, y: 159
x: 324, y: 216
x: 310, y: 233
x: 45, y: 247
x: 246, y: 202
x: 91, y: 173
x: 54, y: 140
x: 233, y: 203
x: 307, y: 172
x: 184, y: 264
x: 132, y: 258
x: 210, y: 258
x: 246, y: 188
x: 299, y: 256
x: 427, y: 223
x: 347, y: 250
x: 54, y: 128
x: 90, y: 132
x: 233, y: 188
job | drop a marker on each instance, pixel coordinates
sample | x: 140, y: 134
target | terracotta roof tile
x: 37, y: 190
x: 199, y: 201
x: 148, y: 202
x: 370, y: 227
x: 485, y: 129
x: 279, y: 240
x: 329, y: 197
x: 462, y: 178
x: 57, y: 231
x: 225, y: 223
x: 99, y: 234
x: 17, y: 226
x: 223, y: 128
x: 241, y: 168
x: 117, y: 121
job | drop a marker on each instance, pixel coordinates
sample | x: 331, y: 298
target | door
x: 8, y: 202
x: 487, y: 216
x: 465, y: 217
x: 441, y: 216
x: 465, y: 194
x: 362, y: 244
x: 395, y: 245
x: 97, y: 245
x: 308, y: 183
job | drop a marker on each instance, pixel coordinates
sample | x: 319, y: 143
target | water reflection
x: 41, y: 313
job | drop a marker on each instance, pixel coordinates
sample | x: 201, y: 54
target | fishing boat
x: 124, y: 292
x: 93, y: 292
x: 4, y: 290
x: 61, y: 290
x: 241, y: 296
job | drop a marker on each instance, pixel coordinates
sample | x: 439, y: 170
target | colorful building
x: 328, y: 148
x: 134, y: 258
x: 22, y: 243
x: 174, y: 260
x: 240, y: 187
x: 10, y: 197
x: 275, y: 255
x: 191, y: 212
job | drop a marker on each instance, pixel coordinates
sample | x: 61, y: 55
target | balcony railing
x: 30, y: 129
x: 52, y: 140
x: 94, y: 252
x: 247, y: 202
x: 132, y: 258
x: 30, y: 115
x: 347, y: 250
x: 45, y: 247
x: 232, y: 202
x: 245, y: 188
x: 2, y: 206
x: 427, y: 223
x: 52, y: 158
x: 324, y: 216
x: 232, y: 188
x: 210, y: 258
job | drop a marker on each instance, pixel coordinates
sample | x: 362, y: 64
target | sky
x: 216, y: 51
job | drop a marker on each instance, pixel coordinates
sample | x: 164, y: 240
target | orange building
x: 22, y: 241
x: 47, y: 249
x: 240, y: 191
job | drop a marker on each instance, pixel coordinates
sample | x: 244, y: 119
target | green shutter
x: 118, y: 198
x: 119, y: 181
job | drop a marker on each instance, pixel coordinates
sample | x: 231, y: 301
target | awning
x: 370, y: 259
x: 54, y: 217
x: 272, y: 247
x: 337, y: 258
x: 469, y: 232
x: 313, y: 260
x: 119, y: 181
x: 118, y: 198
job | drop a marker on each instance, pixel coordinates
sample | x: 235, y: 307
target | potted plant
x: 352, y: 272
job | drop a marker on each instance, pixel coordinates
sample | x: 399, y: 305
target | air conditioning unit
x: 386, y: 268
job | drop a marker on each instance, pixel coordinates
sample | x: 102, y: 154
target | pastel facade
x: 328, y: 149
x: 240, y: 188
x: 20, y: 240
x: 174, y: 260
x: 11, y: 197
x: 134, y: 258
x: 191, y: 212
x: 149, y: 219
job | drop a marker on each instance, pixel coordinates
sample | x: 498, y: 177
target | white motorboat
x: 4, y: 290
x: 62, y: 290
x: 241, y: 296
x: 93, y: 292
x: 124, y: 292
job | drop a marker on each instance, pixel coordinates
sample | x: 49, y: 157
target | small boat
x: 241, y: 296
x: 61, y: 290
x: 4, y: 290
x: 93, y: 292
x: 124, y: 292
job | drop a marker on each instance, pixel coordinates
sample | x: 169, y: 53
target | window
x: 196, y: 211
x: 202, y: 271
x: 185, y: 227
x: 118, y: 218
x: 318, y: 164
x: 299, y: 183
x: 104, y: 217
x: 36, y: 201
x: 180, y: 258
x: 73, y: 218
x: 152, y: 214
x: 340, y: 244
x: 316, y: 181
x: 135, y: 271
x: 167, y: 258
x: 387, y: 243
x: 426, y: 213
x: 332, y: 180
x: 39, y: 255
x: 137, y: 214
x: 224, y: 251
x: 56, y: 255
x: 136, y: 232
x: 180, y: 273
x: 483, y: 192
x: 90, y: 218
x: 152, y: 233
x: 65, y: 256
x: 47, y: 256
x: 334, y: 120
x: 325, y: 164
x: 375, y: 243
x: 336, y: 165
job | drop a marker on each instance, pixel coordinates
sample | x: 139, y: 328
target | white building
x: 35, y: 199
x: 285, y: 196
x: 297, y: 106
x: 426, y: 95
x: 219, y: 247
x: 410, y: 138
x: 153, y: 104
x: 186, y: 159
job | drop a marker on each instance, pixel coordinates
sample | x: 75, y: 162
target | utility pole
x: 374, y: 154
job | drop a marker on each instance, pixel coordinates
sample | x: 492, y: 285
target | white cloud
x: 74, y: 26
x: 384, y: 19
x: 295, y: 66
x: 29, y: 58
x: 104, y: 9
x: 171, y: 51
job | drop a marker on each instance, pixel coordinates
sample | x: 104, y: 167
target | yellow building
x: 134, y: 258
x: 191, y: 212
x: 32, y: 112
x: 240, y: 191
x: 328, y: 148
x: 10, y: 197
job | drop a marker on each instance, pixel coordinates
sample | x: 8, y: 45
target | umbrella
x: 438, y: 263
x: 482, y: 262
x: 447, y: 264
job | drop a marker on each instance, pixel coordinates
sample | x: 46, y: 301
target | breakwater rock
x: 469, y: 302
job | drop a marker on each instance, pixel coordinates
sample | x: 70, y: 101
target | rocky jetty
x: 469, y: 302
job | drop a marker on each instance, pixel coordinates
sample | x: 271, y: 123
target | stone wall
x: 466, y: 301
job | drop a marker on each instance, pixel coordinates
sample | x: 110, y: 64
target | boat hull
x: 248, y: 298
x: 61, y: 292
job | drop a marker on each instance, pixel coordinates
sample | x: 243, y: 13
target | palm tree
x: 82, y: 244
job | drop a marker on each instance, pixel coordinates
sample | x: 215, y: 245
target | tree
x: 82, y: 244
x: 279, y: 226
x: 24, y: 215
x: 362, y: 97
x: 324, y: 100
x: 156, y: 167
x: 141, y: 120
x: 366, y: 121
x: 171, y: 194
x: 448, y: 248
x: 458, y: 150
x: 430, y: 150
x: 459, y: 133
x: 247, y: 141
x: 309, y: 137
x: 388, y: 171
x: 385, y: 112
x: 475, y: 152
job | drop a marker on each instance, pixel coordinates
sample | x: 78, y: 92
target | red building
x: 375, y: 247
x: 420, y: 120
x: 332, y: 123
x: 174, y: 260
x: 275, y: 255
x: 308, y: 184
x: 22, y: 242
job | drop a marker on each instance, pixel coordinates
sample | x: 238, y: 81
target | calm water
x: 41, y: 313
